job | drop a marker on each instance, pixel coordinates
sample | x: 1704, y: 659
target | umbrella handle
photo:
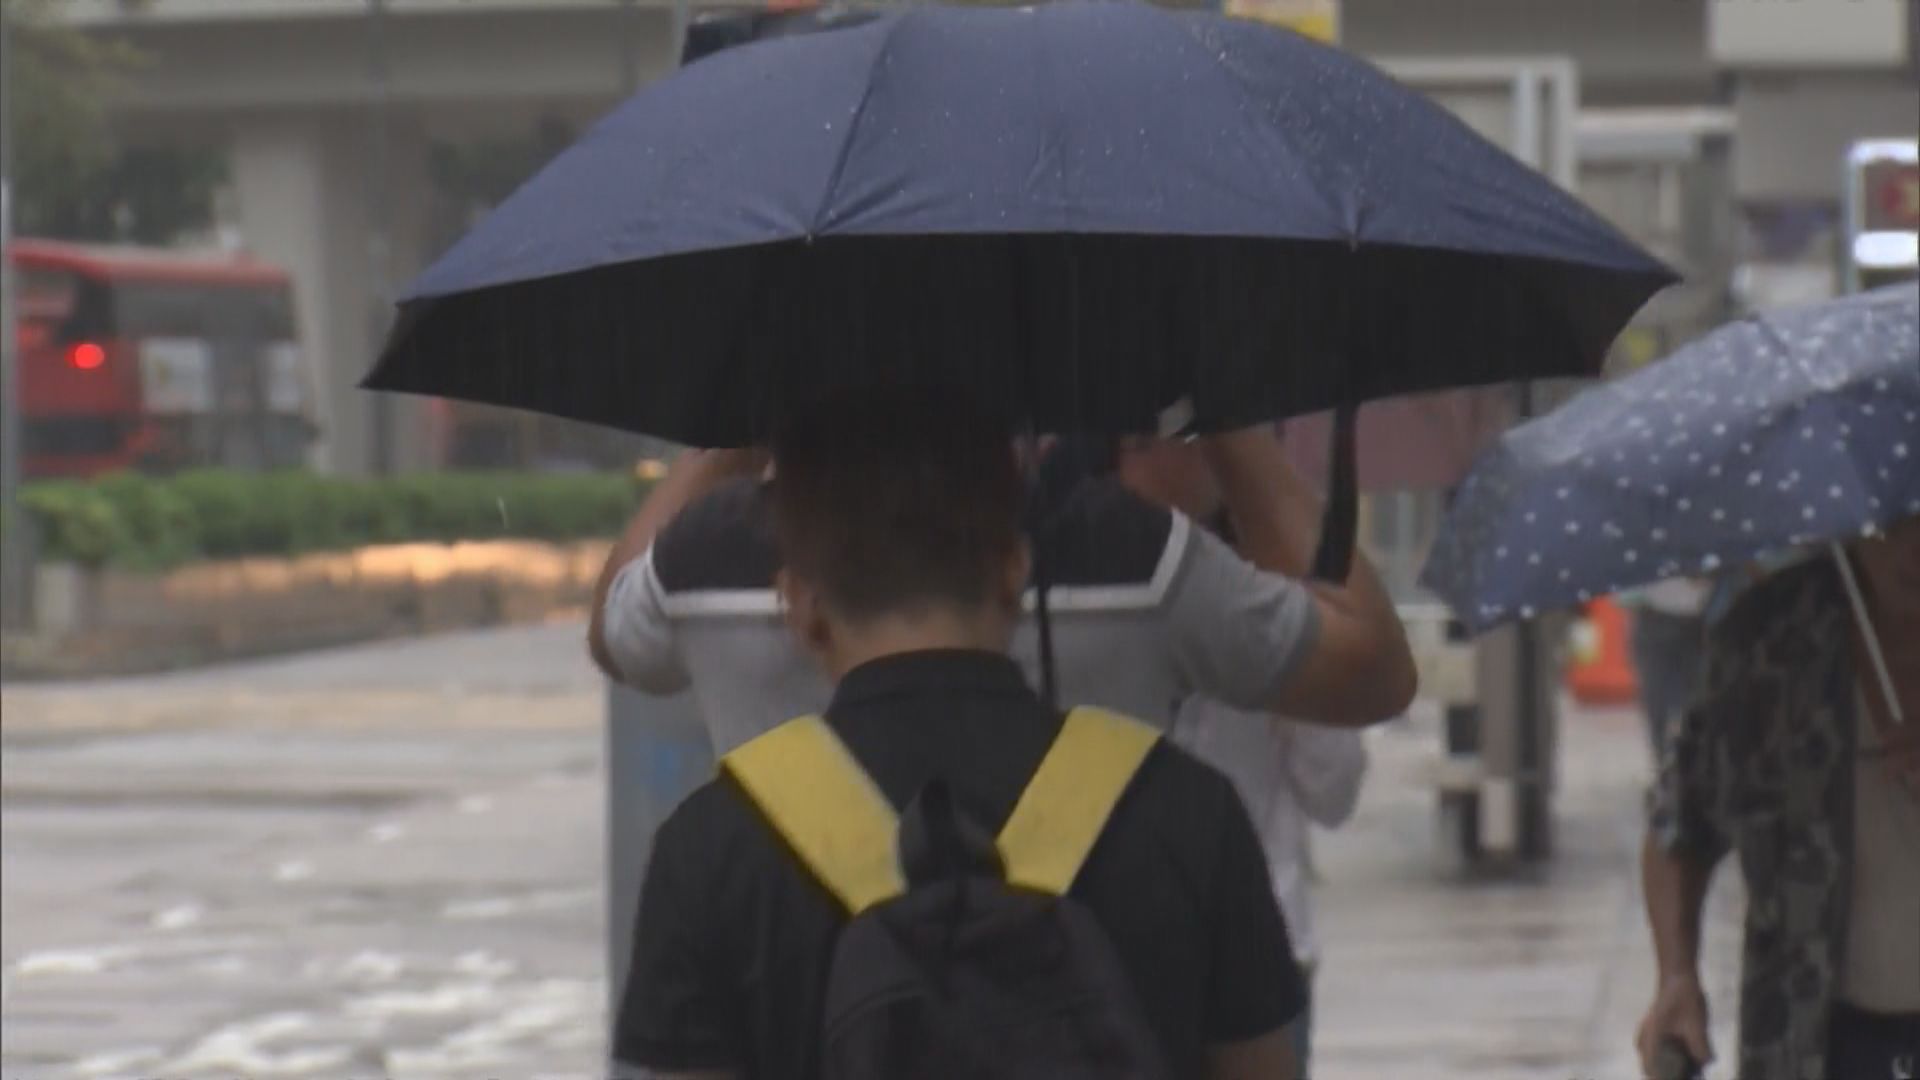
x: 1340, y: 523
x: 1038, y: 492
x: 1858, y: 601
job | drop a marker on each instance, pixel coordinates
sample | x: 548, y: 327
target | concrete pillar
x: 302, y: 191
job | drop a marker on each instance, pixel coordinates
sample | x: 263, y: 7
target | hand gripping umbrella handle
x: 1339, y: 524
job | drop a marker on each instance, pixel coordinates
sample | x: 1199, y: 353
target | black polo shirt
x: 735, y: 937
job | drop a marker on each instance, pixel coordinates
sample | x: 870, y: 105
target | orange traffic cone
x: 1602, y: 669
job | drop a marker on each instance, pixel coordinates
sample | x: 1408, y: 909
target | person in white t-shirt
x: 1289, y: 775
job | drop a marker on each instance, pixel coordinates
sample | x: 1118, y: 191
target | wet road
x: 387, y: 861
x: 382, y: 861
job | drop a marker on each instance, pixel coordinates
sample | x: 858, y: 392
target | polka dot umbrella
x: 1777, y: 431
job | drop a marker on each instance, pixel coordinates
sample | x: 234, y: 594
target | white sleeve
x: 1237, y: 632
x: 639, y: 634
x: 1324, y: 767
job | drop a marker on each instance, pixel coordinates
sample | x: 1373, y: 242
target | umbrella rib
x: 817, y: 222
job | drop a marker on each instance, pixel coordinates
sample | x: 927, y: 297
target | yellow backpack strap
x: 1059, y: 817
x: 826, y: 807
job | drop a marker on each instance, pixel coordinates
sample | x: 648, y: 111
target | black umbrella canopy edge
x: 1064, y: 332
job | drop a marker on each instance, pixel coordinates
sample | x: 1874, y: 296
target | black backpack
x: 962, y: 958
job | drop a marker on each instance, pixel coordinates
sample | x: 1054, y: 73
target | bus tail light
x: 87, y: 356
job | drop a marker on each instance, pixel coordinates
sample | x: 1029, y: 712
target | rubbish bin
x: 657, y: 753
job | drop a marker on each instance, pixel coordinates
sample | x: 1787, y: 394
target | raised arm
x: 1360, y: 669
x: 694, y: 474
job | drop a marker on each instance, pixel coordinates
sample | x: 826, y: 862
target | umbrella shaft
x: 1875, y: 654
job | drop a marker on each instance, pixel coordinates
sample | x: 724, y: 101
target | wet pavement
x: 1544, y: 975
x: 387, y: 861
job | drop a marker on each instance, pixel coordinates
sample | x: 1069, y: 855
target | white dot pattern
x: 1796, y: 426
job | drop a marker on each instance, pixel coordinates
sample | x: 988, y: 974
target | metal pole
x: 1535, y: 714
x: 380, y: 223
x: 16, y: 553
x: 682, y: 20
x: 1531, y: 808
x: 629, y: 56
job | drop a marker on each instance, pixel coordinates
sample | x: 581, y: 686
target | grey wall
x: 1794, y: 128
x: 1628, y: 51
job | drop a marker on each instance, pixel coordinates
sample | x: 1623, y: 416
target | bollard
x: 1459, y: 810
x: 1449, y: 677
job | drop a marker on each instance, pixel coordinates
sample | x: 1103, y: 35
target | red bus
x: 155, y: 360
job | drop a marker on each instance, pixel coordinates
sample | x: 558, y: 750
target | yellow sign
x: 1317, y: 19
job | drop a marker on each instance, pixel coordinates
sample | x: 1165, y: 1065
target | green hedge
x: 152, y: 523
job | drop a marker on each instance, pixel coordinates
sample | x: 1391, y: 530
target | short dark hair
x: 888, y: 500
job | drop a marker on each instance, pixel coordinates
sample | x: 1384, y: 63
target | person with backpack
x: 943, y: 875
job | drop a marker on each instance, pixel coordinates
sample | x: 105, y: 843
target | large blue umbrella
x: 1776, y: 431
x: 1083, y: 212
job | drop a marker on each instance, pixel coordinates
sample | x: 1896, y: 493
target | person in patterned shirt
x: 1792, y: 758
